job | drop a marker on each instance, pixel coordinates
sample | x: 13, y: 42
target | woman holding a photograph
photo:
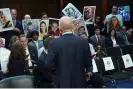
x: 4, y: 22
x: 43, y: 29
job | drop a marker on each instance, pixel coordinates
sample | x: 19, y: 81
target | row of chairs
x: 114, y: 71
x: 119, y: 51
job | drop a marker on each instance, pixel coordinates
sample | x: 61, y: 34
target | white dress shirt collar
x: 67, y: 33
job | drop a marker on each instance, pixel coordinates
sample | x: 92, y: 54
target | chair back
x: 18, y: 82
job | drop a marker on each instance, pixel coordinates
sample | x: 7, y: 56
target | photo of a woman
x: 114, y: 24
x: 43, y: 29
x: 5, y: 23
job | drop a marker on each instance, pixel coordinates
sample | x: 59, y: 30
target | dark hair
x: 109, y: 34
x: 96, y: 27
x: 40, y: 26
x: 110, y: 23
x: 34, y: 32
x: 29, y: 23
x: 81, y: 27
x: 17, y: 52
x: 22, y: 36
x: 83, y: 33
x: 46, y: 41
x: 12, y: 41
x: 44, y: 13
x: 1, y: 13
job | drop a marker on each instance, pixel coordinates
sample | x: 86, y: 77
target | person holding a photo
x: 55, y: 28
x: 4, y: 21
x: 43, y: 29
x: 17, y: 24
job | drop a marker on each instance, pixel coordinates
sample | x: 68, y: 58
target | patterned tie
x: 98, y: 41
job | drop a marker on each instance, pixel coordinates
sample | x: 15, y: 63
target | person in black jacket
x: 68, y: 56
x: 16, y: 65
x: 112, y: 40
x: 43, y: 79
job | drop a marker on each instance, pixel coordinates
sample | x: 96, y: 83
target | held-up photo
x: 6, y: 22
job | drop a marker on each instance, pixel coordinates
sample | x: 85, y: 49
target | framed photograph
x: 54, y: 26
x: 89, y: 14
x: 6, y: 22
x: 44, y: 24
x: 30, y: 25
x: 79, y: 27
x: 71, y: 11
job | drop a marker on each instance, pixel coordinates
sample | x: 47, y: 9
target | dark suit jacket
x: 42, y: 72
x: 68, y: 56
x: 16, y: 68
x: 33, y: 50
x: 109, y: 42
x: 95, y: 43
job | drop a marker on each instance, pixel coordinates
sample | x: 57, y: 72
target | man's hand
x: 89, y: 74
x: 17, y: 30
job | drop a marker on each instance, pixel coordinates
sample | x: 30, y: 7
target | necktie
x: 98, y: 41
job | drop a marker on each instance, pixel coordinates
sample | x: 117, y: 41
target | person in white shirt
x: 84, y: 35
x: 24, y: 42
x: 4, y: 57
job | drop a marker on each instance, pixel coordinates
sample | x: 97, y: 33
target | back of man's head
x: 65, y: 24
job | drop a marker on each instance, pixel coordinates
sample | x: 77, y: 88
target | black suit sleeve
x: 87, y: 57
x: 51, y: 58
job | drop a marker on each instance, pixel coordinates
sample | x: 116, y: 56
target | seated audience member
x: 4, y: 57
x: 84, y: 35
x: 16, y: 65
x: 44, y: 16
x: 112, y: 40
x: 27, y: 16
x: 122, y: 35
x: 24, y: 42
x: 14, y: 39
x: 97, y: 39
x: 129, y: 34
x: 34, y: 45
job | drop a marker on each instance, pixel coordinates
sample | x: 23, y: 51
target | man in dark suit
x: 68, y: 56
x: 98, y: 41
x: 41, y: 72
x: 34, y: 45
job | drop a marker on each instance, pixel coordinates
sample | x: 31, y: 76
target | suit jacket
x: 16, y: 68
x: 33, y: 49
x: 19, y: 26
x: 68, y: 55
x: 94, y: 41
x: 42, y: 72
x: 109, y: 42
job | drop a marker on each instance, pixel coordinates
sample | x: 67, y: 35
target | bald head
x: 66, y: 23
x: 27, y: 16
